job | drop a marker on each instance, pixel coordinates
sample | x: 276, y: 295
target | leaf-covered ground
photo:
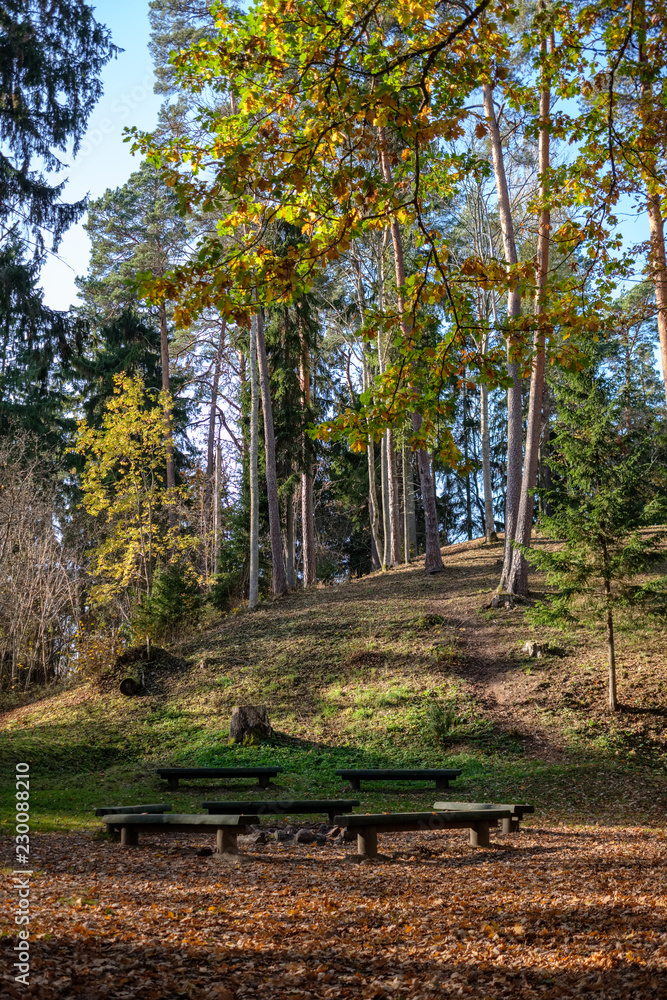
x: 351, y: 675
x: 553, y: 912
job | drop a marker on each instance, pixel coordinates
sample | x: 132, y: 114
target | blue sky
x: 104, y: 160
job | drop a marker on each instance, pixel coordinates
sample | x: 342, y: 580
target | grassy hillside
x: 392, y: 669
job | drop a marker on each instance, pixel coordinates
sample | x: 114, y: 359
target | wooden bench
x: 369, y: 825
x: 174, y: 774
x: 509, y: 824
x: 283, y: 808
x: 442, y: 776
x: 161, y: 807
x: 227, y: 828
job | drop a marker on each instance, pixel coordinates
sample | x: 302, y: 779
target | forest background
x: 365, y: 294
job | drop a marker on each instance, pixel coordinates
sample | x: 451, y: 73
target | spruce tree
x: 610, y: 491
x: 51, y: 55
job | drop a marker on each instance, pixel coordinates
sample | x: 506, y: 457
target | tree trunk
x: 465, y: 459
x: 277, y: 564
x: 433, y: 560
x: 514, y: 409
x: 245, y: 444
x: 611, y: 652
x: 613, y: 702
x: 213, y: 410
x: 289, y: 540
x: 489, y: 522
x: 373, y: 510
x: 657, y: 257
x: 217, y: 489
x: 164, y: 363
x: 307, y: 505
x: 210, y: 512
x: 408, y: 504
x: 253, y: 589
x: 392, y: 490
x: 386, y: 527
x: 517, y: 582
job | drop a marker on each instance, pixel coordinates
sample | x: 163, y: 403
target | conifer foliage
x: 610, y: 492
x: 51, y: 54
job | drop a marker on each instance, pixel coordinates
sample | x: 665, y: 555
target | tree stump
x: 249, y: 722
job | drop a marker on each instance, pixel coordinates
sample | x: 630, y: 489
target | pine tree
x: 135, y: 230
x: 175, y: 25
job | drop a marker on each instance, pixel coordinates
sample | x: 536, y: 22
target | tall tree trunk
x: 657, y: 257
x: 217, y: 490
x: 433, y: 557
x: 465, y: 459
x: 373, y: 510
x: 611, y: 651
x: 489, y: 522
x: 277, y: 564
x: 212, y: 420
x: 307, y: 505
x: 392, y: 489
x: 253, y: 589
x: 244, y: 428
x: 517, y: 582
x: 386, y: 524
x: 386, y: 482
x: 213, y: 409
x: 433, y: 561
x: 289, y: 540
x: 408, y: 504
x: 164, y: 364
x: 514, y: 414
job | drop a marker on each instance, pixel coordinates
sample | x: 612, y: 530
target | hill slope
x: 395, y: 668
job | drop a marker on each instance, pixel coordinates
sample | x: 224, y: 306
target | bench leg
x: 227, y: 841
x: 367, y: 842
x: 331, y: 817
x: 129, y: 836
x: 264, y: 780
x: 172, y: 782
x: 355, y: 783
x: 508, y: 826
x: 479, y: 835
x: 441, y: 784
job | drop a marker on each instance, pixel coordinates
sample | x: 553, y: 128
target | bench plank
x: 174, y: 774
x: 188, y: 820
x: 442, y: 775
x: 226, y: 827
x: 283, y: 807
x: 161, y: 807
x: 368, y: 825
x: 510, y: 824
